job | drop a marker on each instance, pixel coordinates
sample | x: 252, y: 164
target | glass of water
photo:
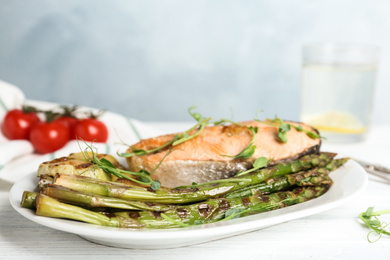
x: 338, y: 89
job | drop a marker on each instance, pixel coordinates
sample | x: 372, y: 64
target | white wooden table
x: 334, y: 234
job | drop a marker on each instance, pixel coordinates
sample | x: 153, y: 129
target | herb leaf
x: 284, y: 127
x: 250, y: 149
x: 156, y: 184
x: 107, y: 162
x: 259, y: 163
x: 282, y: 131
x: 246, y: 153
x: 310, y: 134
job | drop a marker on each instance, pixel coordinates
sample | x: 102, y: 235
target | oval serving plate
x: 349, y: 181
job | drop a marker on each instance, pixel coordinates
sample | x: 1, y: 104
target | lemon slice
x: 336, y: 122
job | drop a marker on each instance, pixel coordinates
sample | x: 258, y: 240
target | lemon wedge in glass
x: 336, y: 122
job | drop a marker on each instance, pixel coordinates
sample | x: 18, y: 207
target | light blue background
x: 152, y: 60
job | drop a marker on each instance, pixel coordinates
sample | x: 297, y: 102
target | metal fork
x: 376, y: 170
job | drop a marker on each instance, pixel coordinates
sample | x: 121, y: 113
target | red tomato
x: 68, y: 121
x: 49, y: 137
x: 17, y: 124
x: 91, y: 129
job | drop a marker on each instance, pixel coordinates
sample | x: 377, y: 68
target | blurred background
x: 153, y: 59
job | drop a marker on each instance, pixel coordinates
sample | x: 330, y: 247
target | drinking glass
x: 338, y: 82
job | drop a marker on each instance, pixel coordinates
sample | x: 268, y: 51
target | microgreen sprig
x: 284, y: 127
x: 259, y: 163
x: 371, y: 220
x: 310, y: 134
x: 250, y: 149
x: 143, y: 176
x: 178, y: 139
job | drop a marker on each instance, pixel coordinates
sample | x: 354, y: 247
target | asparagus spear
x: 28, y: 199
x: 49, y: 207
x: 310, y: 178
x: 181, y: 216
x: 94, y: 201
x: 194, y: 193
x: 304, y: 178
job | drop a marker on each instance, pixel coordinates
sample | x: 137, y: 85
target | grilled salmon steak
x: 208, y: 156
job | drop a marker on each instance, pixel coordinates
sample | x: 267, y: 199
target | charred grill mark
x: 246, y: 201
x: 108, y: 214
x: 133, y: 214
x: 183, y: 213
x: 101, y: 155
x: 82, y: 166
x: 282, y: 196
x: 150, y: 189
x: 150, y: 204
x: 224, y: 204
x: 156, y: 214
x: 204, y: 210
x: 57, y: 160
x: 61, y: 159
x: 298, y: 190
x: 269, y: 181
x: 184, y: 190
x: 264, y: 198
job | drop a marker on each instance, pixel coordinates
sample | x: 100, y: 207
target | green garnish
x: 178, y: 139
x: 250, y: 149
x: 310, y: 134
x: 282, y: 130
x: 259, y: 163
x: 156, y: 184
x: 371, y: 220
x: 107, y: 166
x: 284, y: 127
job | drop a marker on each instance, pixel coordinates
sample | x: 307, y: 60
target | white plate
x: 349, y: 181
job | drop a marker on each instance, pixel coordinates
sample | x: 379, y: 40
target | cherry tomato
x: 91, y: 129
x: 17, y: 124
x: 68, y: 121
x: 49, y: 137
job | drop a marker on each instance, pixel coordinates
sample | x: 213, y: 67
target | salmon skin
x: 203, y: 158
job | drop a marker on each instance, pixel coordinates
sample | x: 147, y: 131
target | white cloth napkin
x: 17, y: 157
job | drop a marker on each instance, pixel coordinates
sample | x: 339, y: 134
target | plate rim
x: 206, y: 232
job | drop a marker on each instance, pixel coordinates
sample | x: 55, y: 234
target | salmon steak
x: 210, y: 155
